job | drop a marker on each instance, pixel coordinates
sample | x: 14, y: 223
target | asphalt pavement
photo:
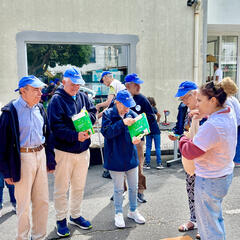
x: 166, y: 209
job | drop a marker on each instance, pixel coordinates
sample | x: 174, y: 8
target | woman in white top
x: 235, y: 105
x: 213, y: 150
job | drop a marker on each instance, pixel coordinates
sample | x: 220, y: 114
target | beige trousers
x: 32, y: 188
x: 70, y: 174
x: 141, y: 177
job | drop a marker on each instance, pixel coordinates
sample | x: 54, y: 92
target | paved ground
x: 165, y: 210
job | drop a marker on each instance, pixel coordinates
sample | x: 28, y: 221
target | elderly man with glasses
x: 26, y: 155
x: 71, y: 149
x: 187, y: 94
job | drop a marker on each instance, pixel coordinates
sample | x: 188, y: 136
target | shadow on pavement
x: 6, y: 216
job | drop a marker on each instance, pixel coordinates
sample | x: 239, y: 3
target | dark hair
x: 216, y: 65
x: 220, y: 90
x: 152, y: 101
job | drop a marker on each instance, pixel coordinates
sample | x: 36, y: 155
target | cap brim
x: 38, y: 84
x: 181, y: 93
x: 139, y: 81
x: 78, y: 81
x: 129, y: 104
x: 35, y: 84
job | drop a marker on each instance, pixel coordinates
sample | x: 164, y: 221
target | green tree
x: 40, y: 56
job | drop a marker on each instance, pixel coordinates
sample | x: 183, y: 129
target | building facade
x: 223, y: 39
x: 158, y: 37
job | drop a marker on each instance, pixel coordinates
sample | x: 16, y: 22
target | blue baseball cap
x: 74, y: 75
x: 30, y: 80
x: 104, y: 74
x: 56, y: 80
x: 185, y: 87
x: 133, y: 77
x: 125, y: 97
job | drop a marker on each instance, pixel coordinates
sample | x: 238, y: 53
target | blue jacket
x: 10, y: 162
x: 182, y: 112
x: 119, y: 152
x: 60, y: 111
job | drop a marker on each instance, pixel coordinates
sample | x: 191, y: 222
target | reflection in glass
x: 229, y: 56
x: 49, y: 61
x: 212, y: 55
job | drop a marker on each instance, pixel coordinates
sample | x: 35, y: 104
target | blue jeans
x: 209, y: 194
x: 157, y: 143
x: 10, y: 190
x: 118, y: 179
x: 237, y: 155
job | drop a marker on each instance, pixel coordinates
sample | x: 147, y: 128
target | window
x: 222, y: 50
x: 212, y: 55
x: 49, y: 61
x: 229, y: 56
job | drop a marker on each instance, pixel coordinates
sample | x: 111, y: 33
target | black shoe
x: 147, y: 166
x: 140, y: 198
x: 106, y: 174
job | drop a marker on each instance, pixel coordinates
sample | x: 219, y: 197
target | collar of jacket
x: 116, y: 114
x: 8, y: 107
x: 60, y: 91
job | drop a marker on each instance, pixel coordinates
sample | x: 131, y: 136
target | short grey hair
x: 191, y: 92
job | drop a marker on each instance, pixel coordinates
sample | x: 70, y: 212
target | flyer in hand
x: 140, y: 128
x: 82, y: 122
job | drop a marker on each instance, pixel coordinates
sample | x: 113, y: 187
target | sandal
x: 198, y: 236
x: 187, y: 226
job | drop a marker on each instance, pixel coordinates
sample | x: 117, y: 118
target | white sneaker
x: 137, y: 217
x: 14, y: 208
x: 119, y: 220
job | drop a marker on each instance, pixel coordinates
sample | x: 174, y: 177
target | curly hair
x: 229, y: 86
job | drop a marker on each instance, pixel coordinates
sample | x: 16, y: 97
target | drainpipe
x: 196, y: 41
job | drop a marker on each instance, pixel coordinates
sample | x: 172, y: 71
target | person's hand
x: 136, y: 140
x: 193, y: 113
x: 9, y: 181
x: 172, y: 138
x: 129, y: 121
x: 82, y: 136
x: 98, y: 106
x: 196, y: 115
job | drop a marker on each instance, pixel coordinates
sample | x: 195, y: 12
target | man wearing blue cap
x: 71, y: 149
x: 114, y: 87
x: 119, y: 159
x: 25, y: 156
x: 133, y: 84
x: 187, y: 94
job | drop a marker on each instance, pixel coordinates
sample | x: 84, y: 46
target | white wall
x: 223, y: 12
x: 165, y: 31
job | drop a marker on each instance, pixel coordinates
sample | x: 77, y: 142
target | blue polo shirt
x: 30, y: 124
